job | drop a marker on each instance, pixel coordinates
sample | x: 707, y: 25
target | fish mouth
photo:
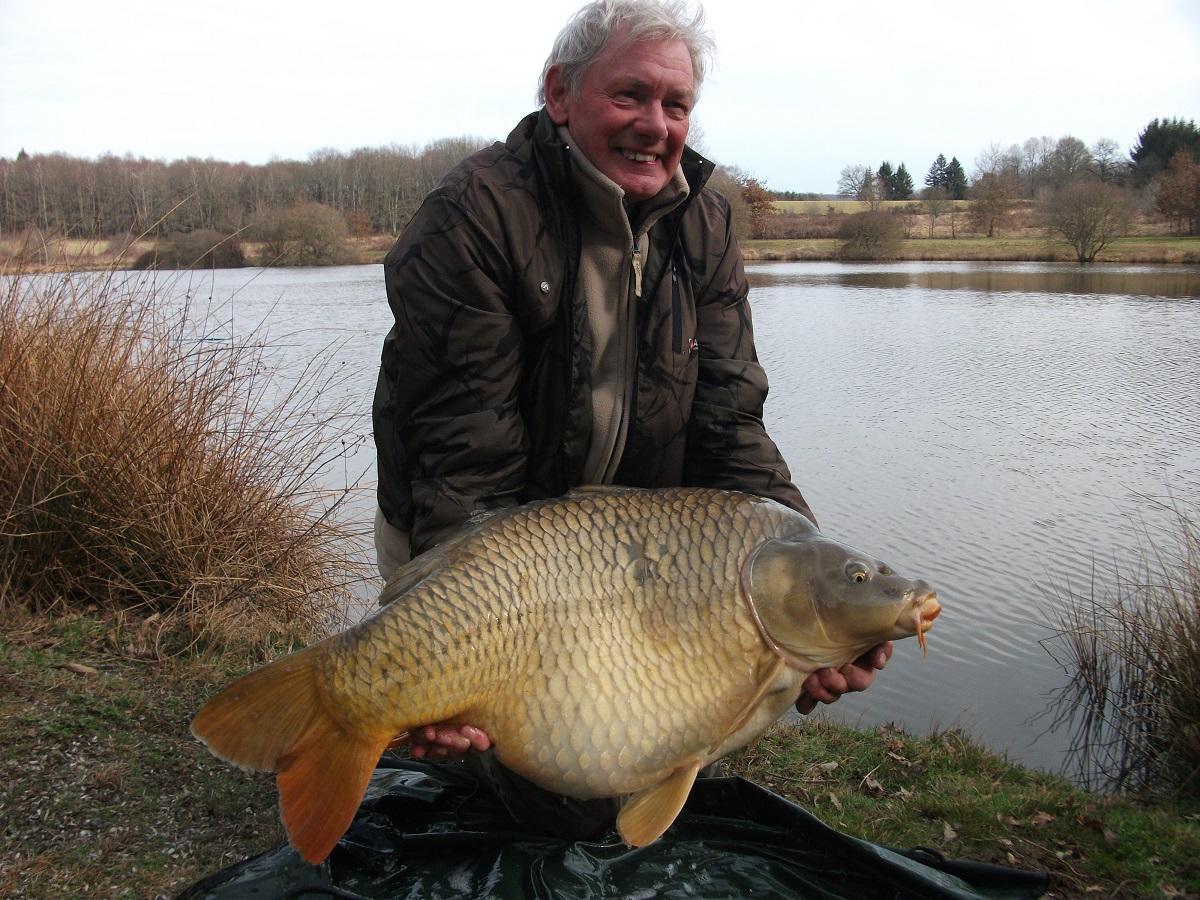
x: 918, y: 617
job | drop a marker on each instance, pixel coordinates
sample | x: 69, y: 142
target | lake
x: 995, y: 428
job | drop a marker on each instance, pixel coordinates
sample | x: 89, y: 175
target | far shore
x: 74, y: 255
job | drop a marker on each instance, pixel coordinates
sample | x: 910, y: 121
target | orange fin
x: 321, y: 784
x: 275, y: 719
x: 651, y: 811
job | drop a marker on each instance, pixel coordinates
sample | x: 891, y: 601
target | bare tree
x: 857, y: 183
x: 1088, y: 214
x: 996, y: 188
x: 1108, y: 162
x: 935, y: 200
x: 1177, y: 194
x: 1071, y: 161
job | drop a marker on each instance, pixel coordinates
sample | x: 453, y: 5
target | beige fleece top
x: 609, y: 284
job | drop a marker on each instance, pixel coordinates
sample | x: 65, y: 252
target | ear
x: 558, y: 96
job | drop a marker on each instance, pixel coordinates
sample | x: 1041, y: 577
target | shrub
x: 1134, y: 698
x: 874, y: 234
x: 144, y: 474
x: 199, y: 249
x: 306, y: 234
x: 1088, y: 215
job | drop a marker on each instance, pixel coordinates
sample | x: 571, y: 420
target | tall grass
x: 148, y: 475
x: 1133, y: 703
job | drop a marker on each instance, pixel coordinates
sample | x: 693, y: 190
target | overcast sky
x: 801, y: 88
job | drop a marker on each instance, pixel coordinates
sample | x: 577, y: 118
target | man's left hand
x: 827, y: 685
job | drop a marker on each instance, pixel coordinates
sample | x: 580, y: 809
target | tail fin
x: 275, y: 720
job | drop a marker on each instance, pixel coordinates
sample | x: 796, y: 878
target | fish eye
x: 857, y: 572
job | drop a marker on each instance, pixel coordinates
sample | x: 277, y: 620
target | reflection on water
x: 992, y: 428
x: 1038, y: 278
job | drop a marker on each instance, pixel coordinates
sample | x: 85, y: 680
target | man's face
x: 630, y: 117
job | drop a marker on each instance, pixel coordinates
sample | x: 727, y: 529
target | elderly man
x: 571, y: 308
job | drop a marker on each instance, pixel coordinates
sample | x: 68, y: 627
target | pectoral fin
x: 651, y: 811
x: 747, y: 711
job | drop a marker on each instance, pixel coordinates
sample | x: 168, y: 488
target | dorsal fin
x: 591, y: 490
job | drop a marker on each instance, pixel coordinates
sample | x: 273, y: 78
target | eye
x: 857, y: 572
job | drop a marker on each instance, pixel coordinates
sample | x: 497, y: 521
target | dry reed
x: 1133, y: 702
x: 148, y: 475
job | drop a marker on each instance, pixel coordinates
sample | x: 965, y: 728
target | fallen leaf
x: 873, y: 786
x: 898, y: 758
x: 828, y: 766
x: 837, y: 804
x: 948, y: 833
x: 1006, y: 842
x: 1111, y: 838
x: 80, y: 668
x: 905, y: 794
x: 1093, y: 889
x: 1039, y: 819
x: 1012, y: 859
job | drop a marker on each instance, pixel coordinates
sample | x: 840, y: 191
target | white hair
x: 589, y: 30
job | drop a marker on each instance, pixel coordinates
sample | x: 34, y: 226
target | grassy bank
x: 1153, y: 249
x: 104, y: 793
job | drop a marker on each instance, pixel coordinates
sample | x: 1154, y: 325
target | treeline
x: 376, y: 190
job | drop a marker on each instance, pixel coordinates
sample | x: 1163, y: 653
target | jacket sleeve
x: 448, y: 430
x: 728, y: 445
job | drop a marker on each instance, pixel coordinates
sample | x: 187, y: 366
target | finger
x: 478, y: 739
x: 857, y: 678
x: 453, y: 741
x: 816, y: 689
x: 833, y: 681
x: 805, y: 704
x: 417, y: 751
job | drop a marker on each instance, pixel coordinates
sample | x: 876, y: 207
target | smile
x: 638, y: 157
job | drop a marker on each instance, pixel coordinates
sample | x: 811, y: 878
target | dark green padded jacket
x: 483, y: 397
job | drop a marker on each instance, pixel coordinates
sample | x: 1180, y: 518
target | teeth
x: 639, y: 157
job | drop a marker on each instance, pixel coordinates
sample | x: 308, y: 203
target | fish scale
x: 607, y: 643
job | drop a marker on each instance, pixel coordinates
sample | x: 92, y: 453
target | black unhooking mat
x: 429, y: 831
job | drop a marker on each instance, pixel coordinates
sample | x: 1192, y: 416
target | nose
x: 652, y: 122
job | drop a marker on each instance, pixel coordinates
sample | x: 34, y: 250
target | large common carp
x: 610, y: 642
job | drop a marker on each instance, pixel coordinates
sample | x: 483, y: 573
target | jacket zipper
x: 637, y: 271
x: 676, y: 313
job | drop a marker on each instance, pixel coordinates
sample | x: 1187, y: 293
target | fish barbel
x: 610, y: 642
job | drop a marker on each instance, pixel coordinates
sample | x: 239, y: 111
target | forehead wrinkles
x: 650, y: 63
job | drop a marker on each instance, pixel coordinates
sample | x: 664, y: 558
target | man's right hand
x: 446, y: 741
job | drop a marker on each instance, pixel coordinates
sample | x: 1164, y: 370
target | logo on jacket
x: 693, y: 345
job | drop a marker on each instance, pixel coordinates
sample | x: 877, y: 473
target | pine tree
x: 887, y: 181
x: 956, y: 180
x: 903, y: 184
x: 937, y: 172
x: 1158, y: 142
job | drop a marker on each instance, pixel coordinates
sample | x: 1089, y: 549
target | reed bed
x: 1133, y: 702
x: 159, y: 479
